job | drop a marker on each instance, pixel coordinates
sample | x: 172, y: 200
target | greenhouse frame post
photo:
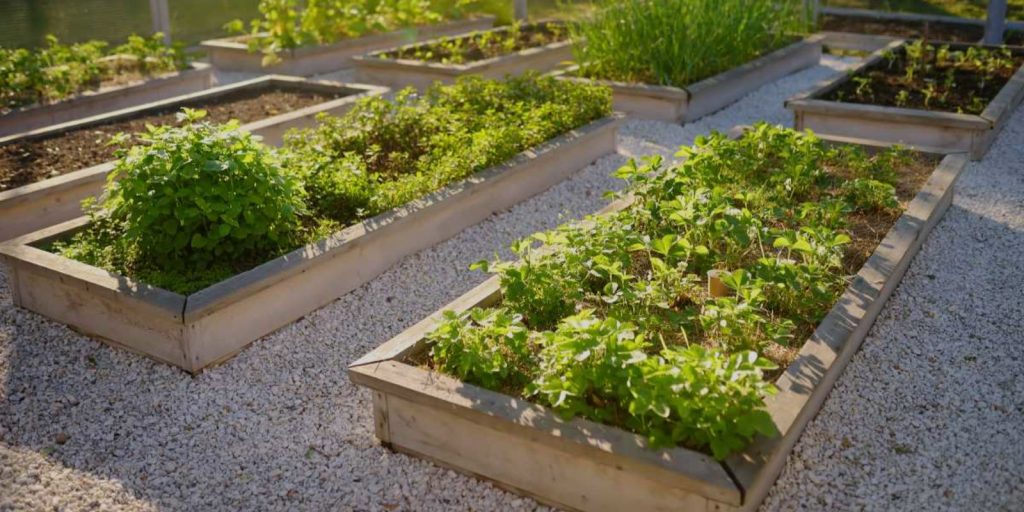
x: 519, y: 10
x: 161, y: 18
x: 995, y: 22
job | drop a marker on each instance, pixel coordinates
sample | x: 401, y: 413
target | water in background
x: 25, y: 23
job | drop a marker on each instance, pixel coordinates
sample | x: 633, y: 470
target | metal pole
x: 161, y: 18
x: 519, y: 9
x: 995, y: 22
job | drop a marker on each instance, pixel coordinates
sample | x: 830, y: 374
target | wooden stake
x: 161, y: 18
x: 716, y: 288
x: 995, y: 22
x: 519, y: 10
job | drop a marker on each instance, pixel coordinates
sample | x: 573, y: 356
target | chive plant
x: 678, y: 42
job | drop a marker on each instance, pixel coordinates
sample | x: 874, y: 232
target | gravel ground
x: 83, y: 426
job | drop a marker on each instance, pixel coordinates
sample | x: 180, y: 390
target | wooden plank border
x: 579, y: 465
x: 232, y: 53
x: 398, y: 73
x: 214, y: 324
x: 92, y: 103
x: 685, y: 104
x: 919, y: 129
x: 55, y: 200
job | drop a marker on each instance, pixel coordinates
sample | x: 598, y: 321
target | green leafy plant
x: 192, y: 198
x: 612, y: 318
x: 679, y: 42
x: 290, y: 24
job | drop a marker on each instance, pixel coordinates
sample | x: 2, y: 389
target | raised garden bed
x: 580, y: 464
x: 45, y: 173
x: 194, y: 329
x: 233, y: 53
x: 867, y: 30
x: 685, y: 104
x: 875, y: 103
x: 107, y: 99
x: 491, y: 53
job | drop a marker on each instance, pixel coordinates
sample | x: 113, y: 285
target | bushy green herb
x: 620, y: 326
x: 385, y: 153
x: 290, y: 24
x: 483, y: 45
x: 679, y: 42
x: 190, y: 200
x: 57, y: 71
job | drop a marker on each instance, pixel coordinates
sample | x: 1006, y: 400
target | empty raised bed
x: 935, y: 97
x: 604, y: 371
x: 866, y: 30
x: 491, y: 53
x: 680, y: 60
x: 60, y: 83
x: 190, y: 262
x: 45, y: 174
x: 247, y: 53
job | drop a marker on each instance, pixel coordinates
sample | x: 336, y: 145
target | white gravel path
x: 83, y: 426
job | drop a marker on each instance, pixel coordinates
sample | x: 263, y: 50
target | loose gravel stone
x: 279, y: 427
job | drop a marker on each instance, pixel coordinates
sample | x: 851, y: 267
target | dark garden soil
x: 971, y: 89
x: 935, y: 31
x: 483, y: 46
x: 22, y: 163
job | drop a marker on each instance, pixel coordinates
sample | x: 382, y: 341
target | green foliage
x: 482, y: 45
x: 623, y: 330
x: 197, y: 203
x: 290, y: 24
x: 191, y: 198
x: 385, y: 153
x: 58, y: 71
x: 490, y: 347
x: 679, y: 42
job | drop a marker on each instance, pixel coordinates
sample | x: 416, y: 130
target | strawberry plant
x: 610, y: 318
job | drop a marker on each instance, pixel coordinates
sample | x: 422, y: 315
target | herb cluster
x: 679, y: 42
x: 924, y: 76
x: 483, y: 45
x: 290, y: 24
x: 611, y: 318
x: 197, y: 203
x: 57, y: 71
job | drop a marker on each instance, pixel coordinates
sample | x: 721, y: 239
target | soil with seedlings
x: 280, y: 427
x: 934, y: 87
x: 933, y: 31
x: 25, y: 162
x: 484, y: 45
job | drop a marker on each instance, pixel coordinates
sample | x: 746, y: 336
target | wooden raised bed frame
x: 582, y: 465
x: 232, y: 53
x: 397, y: 73
x: 919, y: 129
x: 48, y: 202
x: 685, y: 104
x: 214, y: 324
x: 92, y: 103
